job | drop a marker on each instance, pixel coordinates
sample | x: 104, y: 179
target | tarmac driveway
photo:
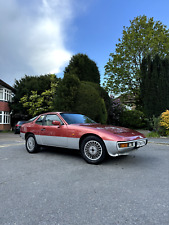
x: 57, y: 186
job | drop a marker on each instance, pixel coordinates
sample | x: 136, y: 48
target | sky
x: 40, y: 36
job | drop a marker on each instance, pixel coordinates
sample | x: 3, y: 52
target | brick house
x: 6, y: 92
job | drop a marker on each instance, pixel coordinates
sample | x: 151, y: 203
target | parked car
x: 18, y: 126
x: 76, y: 131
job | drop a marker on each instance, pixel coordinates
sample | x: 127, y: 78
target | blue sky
x: 40, y: 36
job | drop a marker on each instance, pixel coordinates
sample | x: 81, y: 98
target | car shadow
x: 131, y: 160
x: 134, y: 160
x: 60, y: 151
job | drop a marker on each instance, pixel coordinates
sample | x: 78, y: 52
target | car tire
x: 93, y: 150
x: 31, y: 144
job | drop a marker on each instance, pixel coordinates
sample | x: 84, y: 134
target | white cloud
x: 33, y: 36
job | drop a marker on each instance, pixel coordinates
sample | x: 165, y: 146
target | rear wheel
x: 93, y: 150
x: 31, y: 144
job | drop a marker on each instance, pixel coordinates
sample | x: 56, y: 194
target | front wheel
x: 93, y: 150
x: 31, y: 145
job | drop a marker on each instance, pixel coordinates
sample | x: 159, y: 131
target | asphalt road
x: 57, y: 186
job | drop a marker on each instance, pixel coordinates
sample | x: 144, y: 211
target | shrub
x: 164, y: 121
x: 153, y: 134
x: 133, y: 119
x: 66, y: 94
x: 90, y: 103
x: 115, y: 111
x: 153, y: 124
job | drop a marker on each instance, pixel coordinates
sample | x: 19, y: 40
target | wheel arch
x: 27, y: 134
x: 90, y: 134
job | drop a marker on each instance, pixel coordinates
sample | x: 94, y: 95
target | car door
x: 53, y: 135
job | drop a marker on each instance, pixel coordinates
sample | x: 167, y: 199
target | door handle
x: 43, y: 129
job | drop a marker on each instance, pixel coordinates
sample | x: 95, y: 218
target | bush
x: 153, y: 134
x: 153, y: 124
x: 164, y: 121
x: 90, y: 103
x: 133, y: 119
x: 115, y: 111
x: 66, y: 93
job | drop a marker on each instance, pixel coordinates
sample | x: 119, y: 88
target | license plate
x: 141, y: 143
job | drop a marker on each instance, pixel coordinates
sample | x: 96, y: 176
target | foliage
x: 26, y: 85
x: 154, y: 88
x: 153, y: 124
x: 66, y: 94
x: 144, y: 36
x: 153, y: 134
x: 115, y: 111
x: 133, y: 119
x: 81, y: 97
x: 164, y: 121
x: 90, y: 103
x: 84, y: 68
x: 39, y: 103
x: 102, y: 93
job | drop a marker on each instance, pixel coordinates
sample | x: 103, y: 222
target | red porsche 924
x: 76, y: 131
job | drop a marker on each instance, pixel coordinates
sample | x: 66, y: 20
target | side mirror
x: 56, y: 123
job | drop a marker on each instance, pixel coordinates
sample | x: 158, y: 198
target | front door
x: 53, y: 135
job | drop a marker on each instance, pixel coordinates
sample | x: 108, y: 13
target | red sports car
x: 76, y: 131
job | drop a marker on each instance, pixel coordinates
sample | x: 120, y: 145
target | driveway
x: 57, y: 186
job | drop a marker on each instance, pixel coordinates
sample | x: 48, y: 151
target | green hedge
x: 133, y: 119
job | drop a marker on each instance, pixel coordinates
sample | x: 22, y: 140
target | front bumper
x: 117, y: 149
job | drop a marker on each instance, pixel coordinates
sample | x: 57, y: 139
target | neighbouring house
x: 6, y: 92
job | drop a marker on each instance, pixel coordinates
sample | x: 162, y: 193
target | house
x: 6, y: 92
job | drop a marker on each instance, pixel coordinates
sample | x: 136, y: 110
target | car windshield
x: 71, y: 118
x: 21, y: 122
x: 32, y: 119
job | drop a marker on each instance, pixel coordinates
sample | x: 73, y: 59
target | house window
x: 4, y: 117
x: 5, y: 95
x: 0, y: 117
x: 1, y: 94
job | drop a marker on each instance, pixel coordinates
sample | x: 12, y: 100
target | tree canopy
x: 40, y: 103
x: 83, y: 97
x: 30, y: 87
x: 66, y: 93
x: 84, y: 68
x: 154, y: 85
x: 144, y: 36
x: 90, y: 102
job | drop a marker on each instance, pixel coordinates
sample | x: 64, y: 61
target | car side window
x: 49, y: 118
x: 40, y: 120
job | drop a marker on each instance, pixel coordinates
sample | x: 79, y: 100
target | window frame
x: 5, y: 117
x: 48, y: 115
x: 5, y: 94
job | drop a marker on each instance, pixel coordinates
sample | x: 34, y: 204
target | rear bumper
x: 22, y: 135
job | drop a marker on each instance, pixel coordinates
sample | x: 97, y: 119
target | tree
x: 90, y: 103
x: 154, y: 86
x: 40, y: 103
x: 84, y: 68
x: 66, y: 94
x: 144, y: 36
x: 82, y: 97
x: 25, y: 86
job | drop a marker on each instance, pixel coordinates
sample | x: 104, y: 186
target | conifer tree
x: 84, y: 68
x: 154, y: 86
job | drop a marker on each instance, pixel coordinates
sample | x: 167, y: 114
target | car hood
x: 115, y: 130
x: 110, y: 128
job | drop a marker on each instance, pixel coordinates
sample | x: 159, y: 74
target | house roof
x: 6, y: 85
